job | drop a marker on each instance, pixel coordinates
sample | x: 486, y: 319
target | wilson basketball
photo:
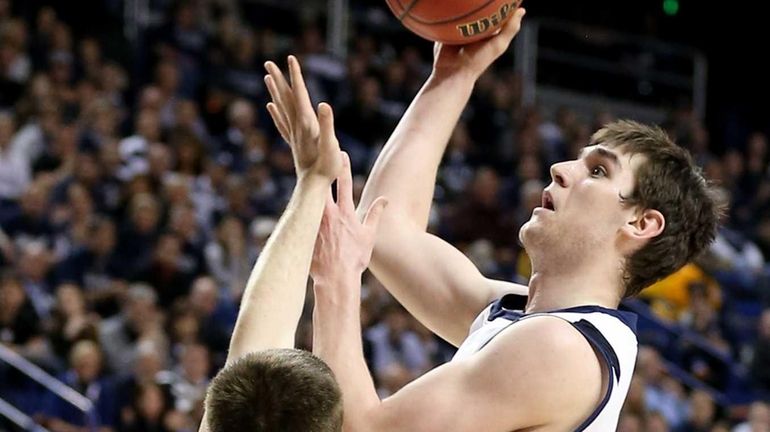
x: 453, y: 22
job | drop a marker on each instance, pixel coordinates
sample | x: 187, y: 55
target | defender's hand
x: 311, y: 135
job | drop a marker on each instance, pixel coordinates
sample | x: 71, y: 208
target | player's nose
x: 560, y: 173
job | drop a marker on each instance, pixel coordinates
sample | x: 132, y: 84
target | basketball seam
x: 406, y: 9
x: 447, y: 20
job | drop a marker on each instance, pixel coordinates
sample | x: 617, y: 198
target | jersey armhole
x: 607, y: 354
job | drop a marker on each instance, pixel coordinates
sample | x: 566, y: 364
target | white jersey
x: 610, y: 332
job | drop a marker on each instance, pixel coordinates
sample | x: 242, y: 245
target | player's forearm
x: 275, y: 292
x: 406, y: 169
x: 337, y: 341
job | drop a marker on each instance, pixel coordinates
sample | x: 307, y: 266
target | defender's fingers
x: 280, y: 122
x: 329, y: 142
x: 300, y: 94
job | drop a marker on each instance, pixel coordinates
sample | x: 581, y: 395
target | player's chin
x: 526, y: 233
x: 532, y: 230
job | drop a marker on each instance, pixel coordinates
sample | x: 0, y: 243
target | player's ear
x: 644, y: 225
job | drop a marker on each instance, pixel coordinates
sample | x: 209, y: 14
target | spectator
x: 187, y: 383
x: 481, y: 216
x: 34, y: 266
x: 148, y: 411
x: 31, y: 222
x: 71, y: 322
x: 398, y: 355
x: 216, y: 313
x: 702, y: 413
x: 242, y: 122
x: 138, y: 236
x: 662, y: 394
x: 96, y: 267
x: 14, y: 170
x: 85, y: 376
x: 19, y: 323
x: 139, y: 320
x: 167, y: 271
x: 225, y: 256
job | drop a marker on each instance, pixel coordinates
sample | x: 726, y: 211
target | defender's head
x: 277, y: 390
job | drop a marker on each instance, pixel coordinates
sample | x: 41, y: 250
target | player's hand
x: 474, y: 58
x: 310, y: 135
x: 344, y: 245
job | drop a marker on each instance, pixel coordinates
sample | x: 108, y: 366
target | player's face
x: 582, y: 208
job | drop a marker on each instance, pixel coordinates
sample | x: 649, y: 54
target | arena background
x: 140, y: 175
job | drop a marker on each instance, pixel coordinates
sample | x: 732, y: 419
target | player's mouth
x: 547, y: 201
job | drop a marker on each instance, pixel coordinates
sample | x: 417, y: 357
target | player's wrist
x: 457, y: 78
x: 311, y: 180
x: 337, y: 288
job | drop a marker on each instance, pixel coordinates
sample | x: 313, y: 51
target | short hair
x: 670, y: 182
x: 275, y: 390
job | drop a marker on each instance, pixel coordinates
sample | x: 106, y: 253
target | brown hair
x: 670, y: 182
x: 275, y: 390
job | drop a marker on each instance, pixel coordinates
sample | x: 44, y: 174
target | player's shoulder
x: 540, y: 336
x: 540, y: 343
x: 548, y: 360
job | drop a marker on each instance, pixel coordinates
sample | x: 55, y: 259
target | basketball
x: 453, y: 22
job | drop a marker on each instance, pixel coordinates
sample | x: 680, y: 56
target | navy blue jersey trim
x: 503, y: 307
x: 627, y: 318
x: 602, y: 345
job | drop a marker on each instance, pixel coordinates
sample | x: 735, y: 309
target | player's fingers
x: 280, y: 122
x: 503, y: 39
x: 328, y: 143
x: 345, y: 186
x: 278, y: 99
x: 301, y: 97
x: 513, y: 25
x: 281, y: 92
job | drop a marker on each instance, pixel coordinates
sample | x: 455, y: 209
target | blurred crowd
x: 136, y: 196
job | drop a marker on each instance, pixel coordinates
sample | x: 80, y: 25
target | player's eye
x: 598, y: 171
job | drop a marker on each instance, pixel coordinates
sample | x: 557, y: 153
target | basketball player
x: 629, y: 211
x: 266, y: 385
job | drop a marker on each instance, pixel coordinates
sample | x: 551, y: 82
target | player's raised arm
x: 432, y: 279
x: 275, y: 292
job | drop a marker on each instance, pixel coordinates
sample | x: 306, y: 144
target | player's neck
x: 558, y: 290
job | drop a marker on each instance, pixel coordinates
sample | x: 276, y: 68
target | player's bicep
x: 500, y: 288
x: 432, y: 403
